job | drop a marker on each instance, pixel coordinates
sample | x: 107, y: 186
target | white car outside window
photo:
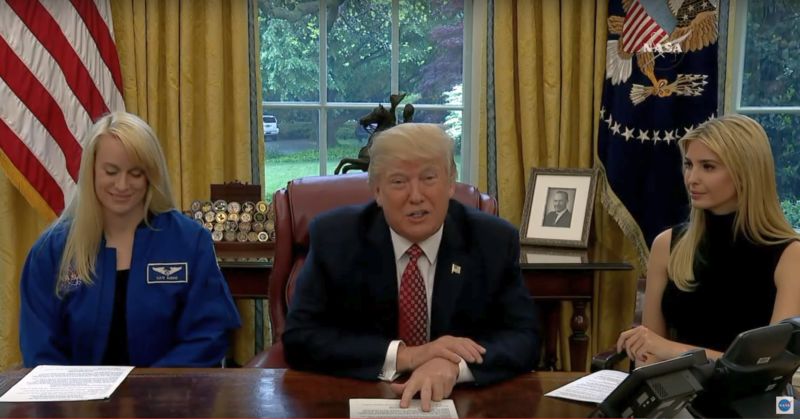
x: 271, y: 129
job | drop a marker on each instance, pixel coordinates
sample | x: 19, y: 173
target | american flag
x: 59, y: 71
x: 637, y: 135
x: 646, y: 24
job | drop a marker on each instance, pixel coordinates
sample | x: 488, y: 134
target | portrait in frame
x: 558, y: 207
x: 537, y: 255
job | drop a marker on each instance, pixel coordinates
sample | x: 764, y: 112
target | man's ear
x: 452, y: 189
x: 376, y: 192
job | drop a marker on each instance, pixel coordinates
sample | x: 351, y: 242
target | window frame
x: 740, y: 10
x: 323, y: 106
x: 735, y: 62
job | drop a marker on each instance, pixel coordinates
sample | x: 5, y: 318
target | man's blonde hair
x: 743, y: 148
x: 411, y: 142
x: 84, y: 215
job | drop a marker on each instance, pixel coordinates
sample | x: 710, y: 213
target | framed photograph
x: 558, y: 207
x: 553, y: 255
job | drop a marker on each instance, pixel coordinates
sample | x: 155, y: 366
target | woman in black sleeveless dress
x: 735, y: 265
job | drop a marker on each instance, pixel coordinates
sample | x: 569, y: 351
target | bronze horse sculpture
x: 380, y: 119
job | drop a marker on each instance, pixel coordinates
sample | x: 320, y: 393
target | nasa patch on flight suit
x: 167, y: 273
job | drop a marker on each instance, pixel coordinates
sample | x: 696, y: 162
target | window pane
x: 452, y: 122
x: 289, y: 50
x: 431, y: 49
x: 292, y: 149
x: 358, y: 70
x: 359, y: 50
x: 771, y: 74
x: 345, y: 137
x: 784, y: 131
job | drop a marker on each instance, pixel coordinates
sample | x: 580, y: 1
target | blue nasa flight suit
x: 179, y: 308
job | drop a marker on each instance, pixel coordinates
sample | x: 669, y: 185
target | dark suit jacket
x: 343, y: 314
x: 564, y: 221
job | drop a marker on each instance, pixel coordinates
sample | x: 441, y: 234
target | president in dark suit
x: 413, y: 283
x: 560, y: 216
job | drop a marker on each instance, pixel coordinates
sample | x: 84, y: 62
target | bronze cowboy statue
x: 378, y: 120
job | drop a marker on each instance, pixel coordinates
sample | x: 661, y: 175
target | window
x: 766, y: 66
x: 366, y: 49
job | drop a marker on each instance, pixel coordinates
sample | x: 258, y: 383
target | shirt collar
x: 429, y: 246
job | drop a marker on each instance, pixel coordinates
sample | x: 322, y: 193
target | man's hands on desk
x: 434, y: 368
x: 451, y: 348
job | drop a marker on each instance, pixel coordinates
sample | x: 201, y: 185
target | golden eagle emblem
x: 652, y: 28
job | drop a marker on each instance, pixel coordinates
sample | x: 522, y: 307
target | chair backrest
x: 301, y: 201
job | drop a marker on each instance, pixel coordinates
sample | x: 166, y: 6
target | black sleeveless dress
x: 735, y: 287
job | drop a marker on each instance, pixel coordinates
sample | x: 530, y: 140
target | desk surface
x: 280, y: 393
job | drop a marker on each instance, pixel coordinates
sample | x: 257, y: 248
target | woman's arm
x: 647, y: 343
x: 42, y: 338
x: 649, y: 346
x: 657, y: 278
x: 787, y: 281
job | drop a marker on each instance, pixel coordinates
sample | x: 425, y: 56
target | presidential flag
x: 661, y: 82
x: 59, y: 71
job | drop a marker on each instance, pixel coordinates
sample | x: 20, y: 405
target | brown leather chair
x: 295, y: 207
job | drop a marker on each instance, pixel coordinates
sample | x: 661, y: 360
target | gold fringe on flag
x: 623, y: 217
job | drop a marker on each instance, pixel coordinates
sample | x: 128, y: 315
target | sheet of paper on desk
x: 50, y: 383
x: 592, y: 388
x: 390, y: 408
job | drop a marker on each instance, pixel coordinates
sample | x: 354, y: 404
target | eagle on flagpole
x: 651, y: 28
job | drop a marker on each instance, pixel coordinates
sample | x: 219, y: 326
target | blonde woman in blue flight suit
x: 122, y: 277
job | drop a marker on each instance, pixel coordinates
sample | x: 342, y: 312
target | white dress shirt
x: 427, y: 268
x: 559, y: 215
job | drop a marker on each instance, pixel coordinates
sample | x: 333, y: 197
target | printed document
x: 592, y: 388
x: 390, y: 408
x: 51, y: 383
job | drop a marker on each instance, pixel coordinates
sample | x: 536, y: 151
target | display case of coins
x: 241, y: 224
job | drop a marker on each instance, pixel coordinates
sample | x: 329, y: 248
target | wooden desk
x: 551, y: 275
x: 246, y: 392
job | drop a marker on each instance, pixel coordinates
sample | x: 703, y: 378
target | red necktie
x: 413, y: 307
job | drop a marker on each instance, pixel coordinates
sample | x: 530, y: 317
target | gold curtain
x: 549, y: 60
x: 20, y: 226
x: 186, y: 70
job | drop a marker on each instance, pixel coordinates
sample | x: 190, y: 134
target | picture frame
x: 535, y: 255
x: 558, y: 207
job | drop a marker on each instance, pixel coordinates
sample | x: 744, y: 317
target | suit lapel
x: 381, y: 272
x: 452, y: 269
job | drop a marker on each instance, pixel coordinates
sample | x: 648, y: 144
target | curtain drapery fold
x: 185, y: 69
x: 21, y: 226
x: 549, y: 64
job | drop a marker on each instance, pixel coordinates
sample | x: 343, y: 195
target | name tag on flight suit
x: 167, y: 273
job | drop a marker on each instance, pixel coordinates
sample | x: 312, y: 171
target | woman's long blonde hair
x: 84, y: 215
x: 743, y: 148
